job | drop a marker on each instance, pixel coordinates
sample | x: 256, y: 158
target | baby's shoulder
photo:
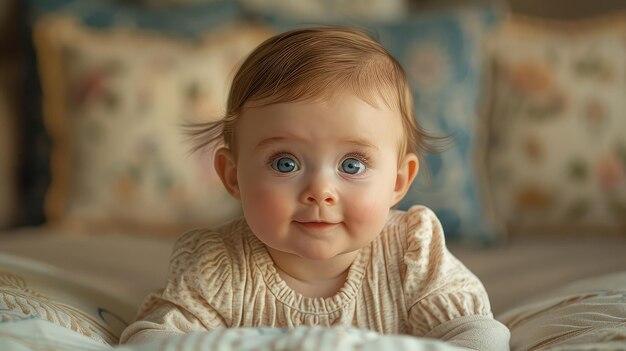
x: 411, y: 244
x: 417, y: 223
x: 202, y: 244
x: 206, y: 265
x: 410, y: 235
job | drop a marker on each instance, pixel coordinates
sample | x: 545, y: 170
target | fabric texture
x: 404, y: 282
x: 173, y: 4
x: 36, y: 334
x: 115, y: 103
x: 375, y: 11
x: 587, y: 314
x: 557, y: 143
x: 444, y: 58
x: 190, y: 21
x: 442, y: 54
x: 32, y: 290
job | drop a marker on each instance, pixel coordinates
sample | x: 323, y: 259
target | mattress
x: 524, y: 278
x: 130, y: 266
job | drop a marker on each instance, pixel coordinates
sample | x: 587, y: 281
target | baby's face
x: 317, y: 179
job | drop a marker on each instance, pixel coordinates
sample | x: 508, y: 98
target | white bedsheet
x: 35, y: 334
x: 130, y: 266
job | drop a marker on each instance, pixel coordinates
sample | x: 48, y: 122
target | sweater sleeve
x: 444, y: 299
x: 161, y: 318
x: 198, y: 272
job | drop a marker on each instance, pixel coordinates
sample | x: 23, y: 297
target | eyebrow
x: 270, y: 141
x: 362, y: 143
x: 274, y: 140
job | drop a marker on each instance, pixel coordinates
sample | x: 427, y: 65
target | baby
x: 320, y: 143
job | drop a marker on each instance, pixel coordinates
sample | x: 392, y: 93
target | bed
x: 543, y: 289
x: 536, y: 213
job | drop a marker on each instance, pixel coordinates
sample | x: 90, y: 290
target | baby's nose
x: 319, y: 191
x: 326, y: 199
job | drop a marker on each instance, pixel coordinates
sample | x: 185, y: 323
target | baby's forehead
x: 376, y: 100
x: 339, y: 106
x: 343, y: 120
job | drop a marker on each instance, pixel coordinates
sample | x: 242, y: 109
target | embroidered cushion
x: 557, y: 142
x: 114, y: 103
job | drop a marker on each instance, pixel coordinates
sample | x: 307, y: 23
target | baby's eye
x: 352, y: 166
x: 285, y: 164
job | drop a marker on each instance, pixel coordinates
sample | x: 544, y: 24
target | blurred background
x: 91, y: 93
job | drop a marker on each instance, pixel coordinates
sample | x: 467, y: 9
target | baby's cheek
x: 265, y: 205
x: 370, y: 210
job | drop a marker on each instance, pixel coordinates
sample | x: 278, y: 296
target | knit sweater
x: 404, y: 282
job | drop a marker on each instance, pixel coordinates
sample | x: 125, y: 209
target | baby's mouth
x: 316, y: 225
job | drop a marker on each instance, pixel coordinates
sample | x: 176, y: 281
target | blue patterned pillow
x: 443, y: 57
x: 189, y: 20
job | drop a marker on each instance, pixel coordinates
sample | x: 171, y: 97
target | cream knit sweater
x: 404, y: 282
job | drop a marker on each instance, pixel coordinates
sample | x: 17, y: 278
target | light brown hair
x: 315, y: 63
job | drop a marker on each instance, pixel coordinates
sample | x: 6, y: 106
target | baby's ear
x: 407, y: 170
x: 226, y: 168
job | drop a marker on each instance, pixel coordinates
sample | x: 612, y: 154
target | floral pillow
x: 190, y: 19
x: 114, y: 103
x: 557, y: 143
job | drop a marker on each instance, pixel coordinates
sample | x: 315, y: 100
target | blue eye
x: 352, y: 166
x: 285, y: 165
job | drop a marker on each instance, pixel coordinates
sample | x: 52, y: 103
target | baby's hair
x: 312, y: 64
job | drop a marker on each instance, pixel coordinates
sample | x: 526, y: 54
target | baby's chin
x: 310, y: 252
x: 325, y: 255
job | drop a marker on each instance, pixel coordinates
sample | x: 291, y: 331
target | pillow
x: 189, y: 21
x: 176, y: 3
x: 31, y: 289
x: 35, y: 334
x: 330, y: 10
x: 114, y: 104
x: 557, y: 146
x: 587, y: 314
x: 442, y: 54
x: 31, y: 334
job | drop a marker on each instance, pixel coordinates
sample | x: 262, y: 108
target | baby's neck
x: 313, y: 278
